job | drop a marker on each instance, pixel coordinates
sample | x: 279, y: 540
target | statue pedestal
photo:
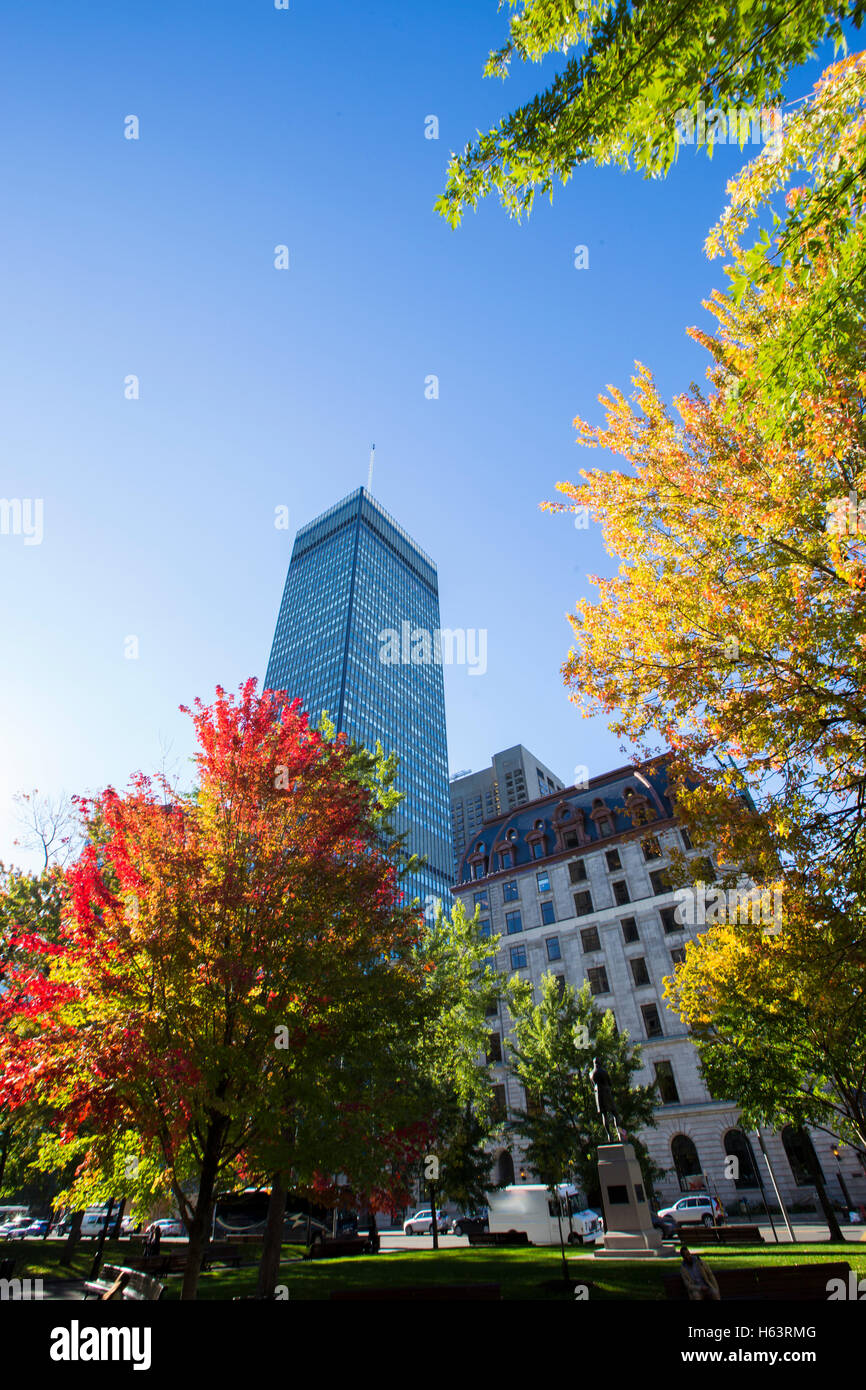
x: 629, y: 1234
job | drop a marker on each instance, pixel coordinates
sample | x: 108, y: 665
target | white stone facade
x: 627, y: 976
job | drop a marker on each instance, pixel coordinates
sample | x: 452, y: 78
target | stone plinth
x: 629, y: 1233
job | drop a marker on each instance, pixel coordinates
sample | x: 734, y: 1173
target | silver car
x: 421, y: 1224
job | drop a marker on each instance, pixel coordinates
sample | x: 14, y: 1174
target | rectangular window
x: 686, y: 839
x: 660, y: 882
x: 553, y: 951
x: 583, y: 904
x: 570, y: 840
x: 669, y: 919
x: 577, y: 871
x: 484, y: 926
x: 620, y: 892
x: 613, y: 860
x: 513, y: 923
x: 534, y: 1106
x: 560, y: 985
x: 597, y: 977
x: 651, y: 1021
x: 481, y: 900
x: 518, y: 958
x: 667, y: 1086
x: 589, y: 939
x: 494, y: 1047
x: 629, y: 930
x: 678, y: 955
x: 507, y: 859
x: 499, y: 1109
x: 543, y: 881
x: 703, y: 870
x: 548, y: 916
x: 651, y: 848
x: 510, y: 893
x: 639, y: 972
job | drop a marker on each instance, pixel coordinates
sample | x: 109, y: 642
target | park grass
x: 524, y: 1273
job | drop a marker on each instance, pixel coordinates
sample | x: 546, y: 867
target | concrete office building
x: 575, y: 883
x: 514, y: 777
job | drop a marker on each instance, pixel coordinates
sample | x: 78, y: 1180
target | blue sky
x: 262, y: 388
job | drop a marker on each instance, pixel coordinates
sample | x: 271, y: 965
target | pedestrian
x: 700, y: 1282
x: 373, y: 1233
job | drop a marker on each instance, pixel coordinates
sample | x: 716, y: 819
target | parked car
x: 35, y: 1231
x: 169, y: 1226
x: 421, y: 1224
x: 697, y: 1209
x: 14, y: 1230
x: 469, y: 1223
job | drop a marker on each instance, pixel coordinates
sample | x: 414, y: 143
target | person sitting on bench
x: 700, y: 1282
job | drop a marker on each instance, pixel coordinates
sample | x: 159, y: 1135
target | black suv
x: 469, y: 1225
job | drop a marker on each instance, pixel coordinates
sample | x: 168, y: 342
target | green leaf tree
x: 554, y: 1042
x: 627, y: 71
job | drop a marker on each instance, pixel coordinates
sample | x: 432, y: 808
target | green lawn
x: 522, y: 1273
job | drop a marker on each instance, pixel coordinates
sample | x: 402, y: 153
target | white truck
x: 531, y: 1207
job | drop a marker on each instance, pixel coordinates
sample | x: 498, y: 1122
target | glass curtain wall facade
x: 358, y: 594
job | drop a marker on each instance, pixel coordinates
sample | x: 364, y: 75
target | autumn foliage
x: 195, y: 926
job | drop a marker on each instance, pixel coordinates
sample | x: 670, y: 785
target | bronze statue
x: 604, y: 1101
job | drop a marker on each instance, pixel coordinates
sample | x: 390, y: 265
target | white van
x: 94, y: 1219
x: 531, y: 1207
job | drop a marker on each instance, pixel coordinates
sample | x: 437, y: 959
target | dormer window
x: 602, y: 817
x: 638, y: 807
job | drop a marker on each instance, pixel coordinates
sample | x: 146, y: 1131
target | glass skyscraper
x: 357, y: 635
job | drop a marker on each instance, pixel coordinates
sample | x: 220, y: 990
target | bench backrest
x: 796, y: 1282
x: 138, y: 1284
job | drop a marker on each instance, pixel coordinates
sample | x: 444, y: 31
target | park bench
x: 174, y: 1261
x: 137, y: 1286
x: 487, y: 1292
x: 333, y: 1247
x: 498, y: 1238
x: 787, y: 1283
x: 726, y: 1235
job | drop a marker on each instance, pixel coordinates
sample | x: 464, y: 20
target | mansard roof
x: 597, y: 811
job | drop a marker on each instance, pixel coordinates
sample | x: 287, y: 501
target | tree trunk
x: 827, y: 1208
x: 269, y: 1268
x: 72, y: 1239
x: 119, y: 1220
x: 199, y: 1231
x: 97, y: 1259
x: 435, y: 1222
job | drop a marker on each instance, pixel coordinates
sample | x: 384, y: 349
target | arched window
x: 686, y: 1161
x: 602, y: 817
x: 801, y: 1155
x: 737, y: 1146
x: 638, y: 807
x: 504, y: 1168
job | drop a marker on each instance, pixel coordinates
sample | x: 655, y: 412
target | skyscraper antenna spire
x: 370, y: 471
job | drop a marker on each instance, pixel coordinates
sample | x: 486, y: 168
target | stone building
x: 575, y: 883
